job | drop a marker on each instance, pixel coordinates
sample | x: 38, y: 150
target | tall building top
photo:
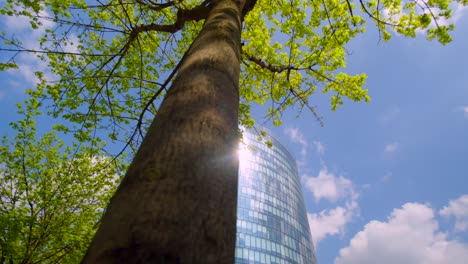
x: 272, y: 224
x: 254, y: 137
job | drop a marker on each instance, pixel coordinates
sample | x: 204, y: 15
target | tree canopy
x: 52, y: 196
x: 111, y: 62
x: 110, y: 65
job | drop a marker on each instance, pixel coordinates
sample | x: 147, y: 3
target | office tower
x: 272, y: 224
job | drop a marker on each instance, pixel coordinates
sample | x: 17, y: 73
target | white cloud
x: 72, y: 38
x: 28, y: 63
x: 459, y: 209
x: 464, y: 109
x: 390, y: 148
x: 332, y: 221
x: 21, y: 27
x: 296, y: 136
x: 458, y: 12
x: 329, y: 186
x: 328, y: 223
x: 319, y: 147
x: 411, y: 235
x: 16, y: 23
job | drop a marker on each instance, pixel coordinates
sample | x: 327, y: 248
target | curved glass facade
x: 272, y: 224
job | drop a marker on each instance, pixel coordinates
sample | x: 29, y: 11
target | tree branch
x: 351, y: 12
x: 376, y: 18
x: 183, y: 15
x: 266, y: 65
x: 430, y: 12
x: 156, y: 6
x: 58, y: 52
x: 249, y: 5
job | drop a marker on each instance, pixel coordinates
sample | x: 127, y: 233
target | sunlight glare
x: 245, y: 154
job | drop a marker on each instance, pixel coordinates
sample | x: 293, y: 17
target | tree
x: 52, y: 196
x: 177, y: 201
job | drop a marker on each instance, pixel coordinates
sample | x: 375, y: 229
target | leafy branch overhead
x: 111, y: 62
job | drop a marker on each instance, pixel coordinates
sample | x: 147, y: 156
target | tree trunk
x: 177, y: 202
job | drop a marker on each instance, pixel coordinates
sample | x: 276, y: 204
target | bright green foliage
x: 51, y: 196
x: 111, y: 60
x: 110, y: 63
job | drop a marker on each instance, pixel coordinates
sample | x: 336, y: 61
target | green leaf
x: 59, y: 194
x: 8, y: 65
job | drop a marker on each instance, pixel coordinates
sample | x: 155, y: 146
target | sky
x: 386, y: 181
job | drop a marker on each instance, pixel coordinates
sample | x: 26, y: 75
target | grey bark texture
x: 177, y: 202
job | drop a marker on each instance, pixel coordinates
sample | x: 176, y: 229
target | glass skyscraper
x: 272, y: 226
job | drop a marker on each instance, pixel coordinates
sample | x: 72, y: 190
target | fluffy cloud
x: 411, y: 235
x: 331, y: 222
x: 328, y: 223
x: 28, y: 63
x: 459, y: 210
x: 16, y: 23
x: 329, y: 186
x: 296, y: 136
x: 458, y: 12
x: 390, y: 148
x: 22, y: 27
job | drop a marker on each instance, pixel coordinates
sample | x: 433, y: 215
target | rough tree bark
x: 177, y: 202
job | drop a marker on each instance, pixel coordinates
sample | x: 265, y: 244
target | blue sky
x: 385, y: 181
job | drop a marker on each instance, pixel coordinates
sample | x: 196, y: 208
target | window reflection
x: 272, y: 222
